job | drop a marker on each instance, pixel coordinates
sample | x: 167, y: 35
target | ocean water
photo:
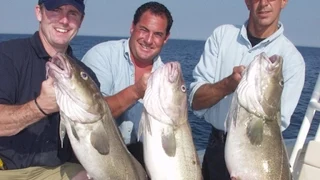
x: 188, y: 52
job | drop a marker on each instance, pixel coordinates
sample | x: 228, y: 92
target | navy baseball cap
x: 54, y: 4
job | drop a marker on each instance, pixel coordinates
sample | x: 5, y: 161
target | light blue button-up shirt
x: 227, y: 47
x: 115, y: 71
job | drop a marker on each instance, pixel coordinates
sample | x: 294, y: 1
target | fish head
x: 77, y: 94
x: 165, y: 98
x: 272, y: 87
x: 263, y: 81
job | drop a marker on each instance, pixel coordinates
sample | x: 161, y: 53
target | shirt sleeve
x: 294, y: 76
x: 204, y: 71
x: 98, y: 60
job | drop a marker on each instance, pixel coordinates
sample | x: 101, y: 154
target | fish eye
x: 281, y: 83
x: 183, y: 88
x: 84, y: 75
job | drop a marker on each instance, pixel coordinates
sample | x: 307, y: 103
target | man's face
x: 58, y: 26
x: 147, y: 37
x: 264, y: 13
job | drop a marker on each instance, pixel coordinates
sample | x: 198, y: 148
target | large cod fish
x: 254, y: 147
x: 86, y: 117
x: 169, y: 151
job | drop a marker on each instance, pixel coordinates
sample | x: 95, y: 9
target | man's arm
x: 205, y: 90
x: 121, y: 101
x: 99, y: 60
x: 210, y: 94
x: 14, y: 118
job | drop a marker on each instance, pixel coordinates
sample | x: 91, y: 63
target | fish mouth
x: 274, y: 59
x: 173, y: 71
x: 273, y: 63
x: 269, y: 64
x: 58, y: 65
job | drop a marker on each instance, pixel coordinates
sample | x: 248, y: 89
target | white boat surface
x: 305, y: 156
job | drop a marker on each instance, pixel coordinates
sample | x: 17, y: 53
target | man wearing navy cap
x: 51, y: 4
x: 30, y: 146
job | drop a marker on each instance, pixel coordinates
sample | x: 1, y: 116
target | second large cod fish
x: 254, y: 146
x: 169, y: 151
x: 86, y: 118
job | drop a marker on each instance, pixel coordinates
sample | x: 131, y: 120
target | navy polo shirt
x: 22, y: 70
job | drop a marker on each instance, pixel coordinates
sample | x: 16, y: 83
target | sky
x: 193, y: 19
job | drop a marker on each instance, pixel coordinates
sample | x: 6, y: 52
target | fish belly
x: 183, y: 165
x: 117, y: 164
x: 267, y: 160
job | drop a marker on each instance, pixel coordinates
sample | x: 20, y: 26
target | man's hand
x: 120, y: 102
x: 234, y: 79
x: 210, y: 94
x: 47, y: 98
x: 141, y: 85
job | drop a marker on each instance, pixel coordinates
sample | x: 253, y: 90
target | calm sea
x: 187, y: 52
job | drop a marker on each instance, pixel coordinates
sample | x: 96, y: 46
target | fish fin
x: 62, y: 128
x: 140, y: 130
x: 63, y: 121
x: 148, y: 124
x: 141, y: 125
x: 231, y: 119
x: 144, y: 124
x: 99, y: 140
x: 74, y: 132
x: 255, y: 131
x: 169, y: 142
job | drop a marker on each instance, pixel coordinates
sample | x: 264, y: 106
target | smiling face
x: 148, y: 36
x: 264, y: 15
x: 58, y: 27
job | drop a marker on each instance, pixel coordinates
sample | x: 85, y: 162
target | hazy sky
x: 193, y: 19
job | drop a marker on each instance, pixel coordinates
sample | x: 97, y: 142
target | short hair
x: 156, y: 9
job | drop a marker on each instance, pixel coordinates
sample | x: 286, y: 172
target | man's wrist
x: 40, y: 109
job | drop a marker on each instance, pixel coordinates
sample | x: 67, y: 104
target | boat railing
x: 314, y: 105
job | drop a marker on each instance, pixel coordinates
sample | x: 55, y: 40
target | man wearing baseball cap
x: 54, y: 4
x: 30, y: 146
